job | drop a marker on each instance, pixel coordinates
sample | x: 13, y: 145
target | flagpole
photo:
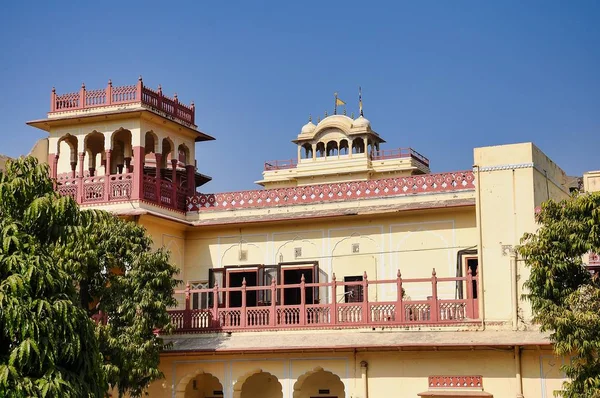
x: 335, y: 103
x: 360, y: 100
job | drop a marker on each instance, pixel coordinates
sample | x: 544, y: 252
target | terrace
x: 381, y: 154
x: 329, y: 305
x: 123, y: 95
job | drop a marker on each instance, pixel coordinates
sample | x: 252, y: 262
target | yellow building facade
x: 355, y: 271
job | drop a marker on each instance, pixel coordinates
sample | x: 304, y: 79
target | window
x: 298, y: 252
x: 243, y: 255
x: 354, y: 293
x: 472, y: 263
x: 199, y: 299
x: 355, y: 248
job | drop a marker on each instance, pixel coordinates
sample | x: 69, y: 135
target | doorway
x: 293, y: 276
x: 235, y: 279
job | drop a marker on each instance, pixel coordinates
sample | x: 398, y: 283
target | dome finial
x: 325, y: 113
x: 310, y: 118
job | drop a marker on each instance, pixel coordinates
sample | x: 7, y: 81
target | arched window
x: 332, y: 148
x: 358, y: 145
x: 306, y: 152
x: 121, y: 152
x: 94, y: 150
x: 343, y: 147
x: 320, y: 150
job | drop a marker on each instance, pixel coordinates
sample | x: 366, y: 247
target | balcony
x: 352, y: 307
x: 280, y: 164
x: 384, y: 154
x: 123, y: 95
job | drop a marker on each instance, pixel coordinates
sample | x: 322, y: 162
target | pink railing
x: 118, y: 188
x: 93, y: 189
x: 280, y: 164
x: 123, y: 95
x: 121, y: 186
x: 68, y: 187
x: 425, y: 183
x: 399, y: 153
x: 309, y: 313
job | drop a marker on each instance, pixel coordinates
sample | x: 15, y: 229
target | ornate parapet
x: 410, y: 185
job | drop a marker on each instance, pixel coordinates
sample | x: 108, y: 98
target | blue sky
x: 439, y: 76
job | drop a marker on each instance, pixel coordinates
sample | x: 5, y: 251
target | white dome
x: 308, y: 128
x: 361, y: 122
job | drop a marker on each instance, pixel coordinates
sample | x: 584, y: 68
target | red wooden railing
x: 383, y: 154
x: 310, y: 314
x: 280, y: 164
x: 137, y: 93
x: 94, y: 189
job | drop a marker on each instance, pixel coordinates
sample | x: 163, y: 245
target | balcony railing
x: 383, y: 154
x: 112, y: 188
x: 280, y: 164
x: 137, y: 93
x: 309, y: 313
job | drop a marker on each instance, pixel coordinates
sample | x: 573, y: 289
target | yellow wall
x: 415, y: 243
x: 403, y: 373
x: 512, y: 180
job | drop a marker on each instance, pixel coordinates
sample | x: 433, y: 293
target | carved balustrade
x: 310, y: 313
x: 121, y: 95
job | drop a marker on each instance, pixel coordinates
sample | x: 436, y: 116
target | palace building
x: 354, y: 271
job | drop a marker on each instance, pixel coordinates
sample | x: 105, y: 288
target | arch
x: 150, y: 142
x: 307, y: 151
x: 93, y: 144
x: 67, y: 164
x: 183, y: 154
x: 168, y: 152
x: 71, y: 141
x: 258, y: 384
x: 207, y: 383
x: 121, y: 151
x: 320, y: 150
x: 343, y: 147
x: 317, y: 379
x: 358, y: 145
x: 332, y: 148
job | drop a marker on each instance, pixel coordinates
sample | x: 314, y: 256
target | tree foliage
x: 60, y: 266
x: 564, y: 296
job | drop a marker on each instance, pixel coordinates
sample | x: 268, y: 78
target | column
x: 191, y: 181
x: 138, y: 173
x: 158, y: 176
x: 174, y: 179
x: 107, y: 166
x: 82, y: 190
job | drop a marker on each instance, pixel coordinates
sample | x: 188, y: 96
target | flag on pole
x: 339, y: 102
x: 360, y: 100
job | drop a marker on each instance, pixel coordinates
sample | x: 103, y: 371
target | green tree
x: 104, y: 266
x: 48, y: 344
x: 124, y: 280
x: 564, y: 296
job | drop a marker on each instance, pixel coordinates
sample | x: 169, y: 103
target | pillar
x: 364, y: 366
x: 81, y: 188
x: 107, y: 154
x: 314, y: 151
x: 53, y: 163
x: 138, y: 173
x: 191, y: 181
x: 158, y: 176
x: 174, y: 180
